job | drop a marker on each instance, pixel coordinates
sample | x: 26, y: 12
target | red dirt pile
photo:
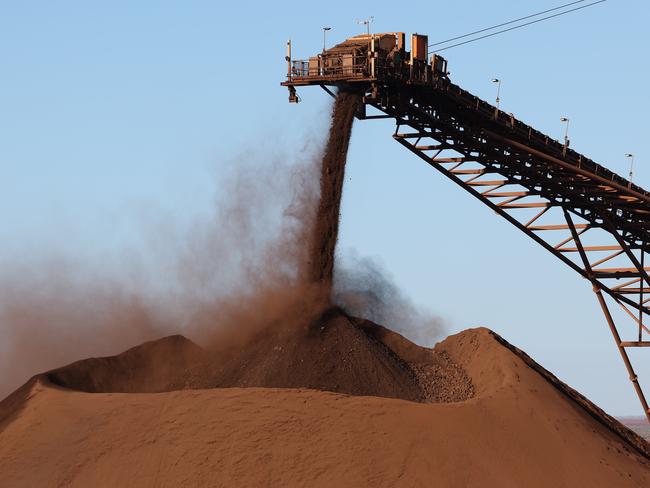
x: 142, y: 369
x: 334, y: 352
x: 522, y: 427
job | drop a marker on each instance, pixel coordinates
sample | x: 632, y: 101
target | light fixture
x: 566, y: 134
x: 498, y: 100
x: 631, y: 156
x: 325, y: 29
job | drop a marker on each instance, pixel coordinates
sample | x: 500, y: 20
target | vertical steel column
x: 373, y: 71
x: 608, y: 316
x: 617, y: 338
x: 641, y: 296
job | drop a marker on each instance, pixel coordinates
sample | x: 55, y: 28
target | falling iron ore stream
x: 326, y: 224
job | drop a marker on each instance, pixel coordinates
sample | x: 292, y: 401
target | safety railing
x: 301, y: 69
x: 541, y: 139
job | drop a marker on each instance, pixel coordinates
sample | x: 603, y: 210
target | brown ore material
x: 335, y: 352
x: 521, y: 427
x: 326, y: 224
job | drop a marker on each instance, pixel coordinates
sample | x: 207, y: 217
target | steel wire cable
x: 505, y: 23
x: 515, y: 27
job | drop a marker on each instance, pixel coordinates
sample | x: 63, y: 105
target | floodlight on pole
x: 367, y: 23
x: 566, y: 133
x: 325, y: 29
x: 498, y: 100
x: 631, y: 156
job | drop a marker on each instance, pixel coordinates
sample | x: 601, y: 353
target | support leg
x: 608, y: 316
x: 617, y: 339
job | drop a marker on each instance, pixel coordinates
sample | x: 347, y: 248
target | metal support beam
x: 608, y: 316
x: 449, y: 127
x: 522, y: 171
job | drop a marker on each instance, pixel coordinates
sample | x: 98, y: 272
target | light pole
x: 498, y: 82
x: 631, y: 156
x: 367, y: 23
x: 325, y: 29
x: 629, y: 185
x: 566, y: 134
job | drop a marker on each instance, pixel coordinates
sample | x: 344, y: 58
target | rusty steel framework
x: 591, y: 219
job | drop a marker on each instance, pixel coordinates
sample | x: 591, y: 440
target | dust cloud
x: 365, y: 289
x: 232, y: 270
x: 220, y: 279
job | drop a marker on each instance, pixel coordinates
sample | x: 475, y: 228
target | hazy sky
x: 113, y: 111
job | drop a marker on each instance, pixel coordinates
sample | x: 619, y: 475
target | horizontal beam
x: 412, y: 135
x: 557, y: 227
x: 464, y: 171
x: 616, y: 274
x: 591, y: 248
x: 486, y: 183
x: 635, y: 344
x: 617, y: 270
x: 527, y: 205
x: 503, y: 194
x: 432, y: 147
x: 632, y: 291
x: 454, y: 160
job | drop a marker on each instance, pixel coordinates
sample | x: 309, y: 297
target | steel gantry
x: 591, y: 219
x: 588, y: 217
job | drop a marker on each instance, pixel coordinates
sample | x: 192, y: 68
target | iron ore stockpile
x: 320, y: 398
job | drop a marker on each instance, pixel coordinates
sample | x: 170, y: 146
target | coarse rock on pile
x: 334, y: 352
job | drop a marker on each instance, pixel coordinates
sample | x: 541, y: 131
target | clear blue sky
x: 110, y: 106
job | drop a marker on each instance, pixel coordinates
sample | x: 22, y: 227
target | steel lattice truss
x: 591, y: 219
